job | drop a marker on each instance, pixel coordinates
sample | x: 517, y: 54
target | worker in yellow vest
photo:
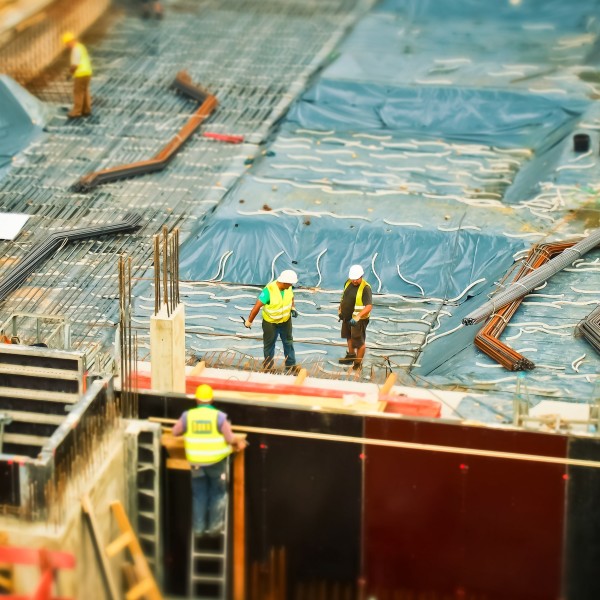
x: 354, y: 311
x: 81, y: 72
x: 208, y: 440
x: 277, y: 303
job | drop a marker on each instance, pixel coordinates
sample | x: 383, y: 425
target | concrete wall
x: 106, y: 484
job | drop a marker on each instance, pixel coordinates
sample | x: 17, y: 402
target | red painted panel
x: 460, y: 526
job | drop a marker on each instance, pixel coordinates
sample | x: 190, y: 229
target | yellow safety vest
x: 84, y: 69
x: 204, y: 445
x: 358, y: 303
x: 280, y: 307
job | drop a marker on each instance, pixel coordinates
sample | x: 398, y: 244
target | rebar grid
x: 134, y: 112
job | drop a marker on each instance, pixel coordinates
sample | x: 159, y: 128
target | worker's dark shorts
x: 358, y: 333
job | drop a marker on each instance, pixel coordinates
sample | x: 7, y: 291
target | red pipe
x: 223, y: 137
x: 395, y: 404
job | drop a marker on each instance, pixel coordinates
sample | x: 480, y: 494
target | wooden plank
x: 197, y: 370
x: 25, y: 394
x: 178, y: 464
x: 239, y: 526
x: 24, y: 439
x: 109, y: 583
x: 31, y: 417
x: 387, y: 386
x: 301, y: 377
x: 6, y: 369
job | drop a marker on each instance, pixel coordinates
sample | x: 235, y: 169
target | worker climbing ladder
x: 209, y: 562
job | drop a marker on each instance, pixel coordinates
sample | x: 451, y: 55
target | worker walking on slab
x: 277, y: 303
x: 81, y: 72
x: 208, y: 440
x: 354, y: 311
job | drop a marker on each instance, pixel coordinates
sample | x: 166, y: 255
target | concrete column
x: 167, y: 350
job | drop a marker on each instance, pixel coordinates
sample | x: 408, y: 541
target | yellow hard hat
x: 204, y: 393
x: 68, y: 37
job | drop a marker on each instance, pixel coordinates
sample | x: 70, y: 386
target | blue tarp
x: 22, y: 117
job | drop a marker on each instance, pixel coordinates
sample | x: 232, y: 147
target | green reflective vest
x: 84, y: 68
x: 204, y: 445
x: 280, y: 307
x: 358, y: 303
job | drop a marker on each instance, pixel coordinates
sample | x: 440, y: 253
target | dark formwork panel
x: 461, y: 526
x: 304, y: 495
x: 582, y: 548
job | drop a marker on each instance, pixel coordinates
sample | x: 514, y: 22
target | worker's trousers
x: 209, y: 495
x: 270, y: 333
x: 82, y: 100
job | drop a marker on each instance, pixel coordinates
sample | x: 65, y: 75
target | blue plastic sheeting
x: 494, y: 118
x: 321, y: 245
x: 473, y: 44
x: 434, y: 150
x: 22, y: 117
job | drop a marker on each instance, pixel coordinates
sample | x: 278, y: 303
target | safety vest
x: 84, y: 69
x: 204, y: 445
x: 280, y: 307
x: 358, y: 303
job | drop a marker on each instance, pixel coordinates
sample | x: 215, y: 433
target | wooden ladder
x: 139, y: 577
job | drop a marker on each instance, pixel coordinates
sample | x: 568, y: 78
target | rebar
x: 534, y: 279
x: 487, y: 339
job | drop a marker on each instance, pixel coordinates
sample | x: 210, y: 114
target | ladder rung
x: 119, y: 544
x: 150, y: 537
x: 147, y: 515
x: 208, y: 578
x: 208, y: 555
x: 147, y: 493
x: 147, y: 447
x: 146, y: 467
x: 140, y: 589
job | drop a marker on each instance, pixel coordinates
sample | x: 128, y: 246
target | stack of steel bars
x: 534, y: 279
x: 56, y: 240
x: 590, y: 328
x: 487, y: 340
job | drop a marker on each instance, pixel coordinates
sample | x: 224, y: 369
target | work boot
x: 293, y: 370
x: 348, y: 359
x: 357, y: 366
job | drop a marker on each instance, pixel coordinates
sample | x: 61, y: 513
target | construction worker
x: 354, y: 311
x: 208, y: 442
x: 277, y: 303
x: 152, y: 8
x: 81, y: 73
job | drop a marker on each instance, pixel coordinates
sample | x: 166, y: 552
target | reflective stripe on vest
x: 280, y: 307
x: 84, y: 68
x: 358, y: 303
x: 204, y: 444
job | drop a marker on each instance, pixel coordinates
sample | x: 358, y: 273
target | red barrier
x: 395, y: 404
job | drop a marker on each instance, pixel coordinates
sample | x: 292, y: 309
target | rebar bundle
x: 183, y: 83
x: 51, y: 243
x: 532, y: 280
x: 590, y: 328
x: 487, y: 340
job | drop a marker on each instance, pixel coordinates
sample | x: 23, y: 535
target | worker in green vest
x: 208, y: 440
x: 277, y: 303
x: 81, y: 72
x: 354, y: 311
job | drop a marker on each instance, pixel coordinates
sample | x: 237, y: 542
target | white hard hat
x: 288, y: 276
x: 356, y: 272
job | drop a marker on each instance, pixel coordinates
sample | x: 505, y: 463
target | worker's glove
x: 294, y: 313
x: 353, y: 322
x: 247, y: 324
